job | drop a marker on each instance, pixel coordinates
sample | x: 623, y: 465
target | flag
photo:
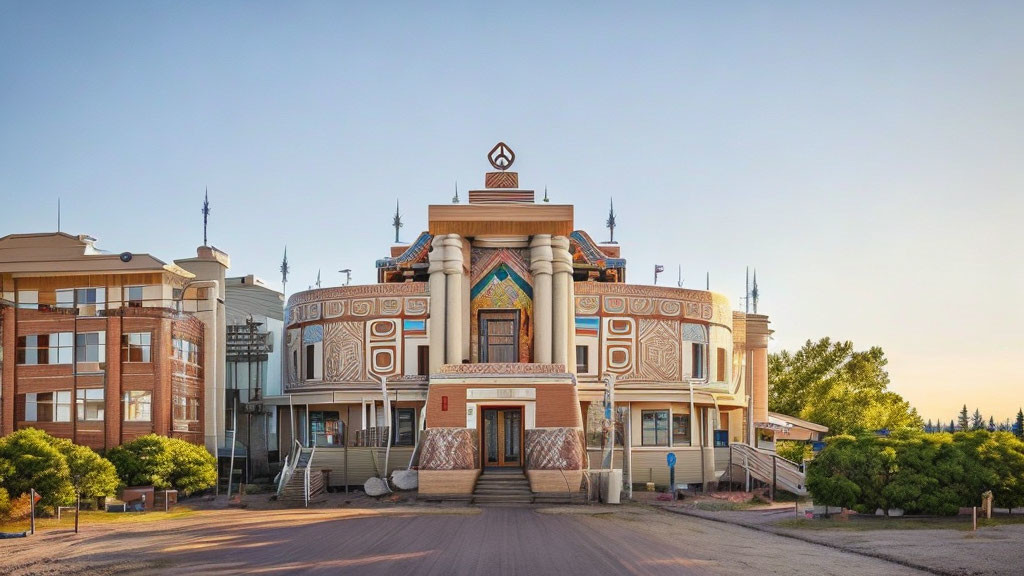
x: 658, y: 268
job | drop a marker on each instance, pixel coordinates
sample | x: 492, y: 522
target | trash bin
x: 611, y: 485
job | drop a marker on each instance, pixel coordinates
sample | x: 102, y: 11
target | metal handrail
x: 282, y: 475
x: 308, y: 464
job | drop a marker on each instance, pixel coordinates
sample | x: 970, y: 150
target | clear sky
x: 865, y: 157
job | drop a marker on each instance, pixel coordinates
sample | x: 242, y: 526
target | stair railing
x: 308, y: 464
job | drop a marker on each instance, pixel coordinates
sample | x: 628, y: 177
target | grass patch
x: 725, y: 505
x: 870, y: 523
x: 93, y: 517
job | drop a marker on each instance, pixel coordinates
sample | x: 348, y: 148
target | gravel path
x: 412, y: 540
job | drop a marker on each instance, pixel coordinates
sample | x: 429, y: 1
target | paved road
x: 413, y: 541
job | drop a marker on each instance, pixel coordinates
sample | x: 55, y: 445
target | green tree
x: 37, y: 464
x: 964, y: 422
x: 977, y: 420
x: 91, y: 474
x: 1018, y: 426
x: 830, y: 383
x: 165, y: 463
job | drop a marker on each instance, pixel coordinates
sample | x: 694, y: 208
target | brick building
x: 102, y: 348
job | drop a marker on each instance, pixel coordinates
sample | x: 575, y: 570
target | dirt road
x: 413, y: 541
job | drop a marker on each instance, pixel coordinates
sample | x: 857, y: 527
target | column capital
x: 436, y: 255
x: 562, y: 259
x: 541, y: 254
x: 452, y: 254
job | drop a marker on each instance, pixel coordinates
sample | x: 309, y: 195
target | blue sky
x: 865, y: 157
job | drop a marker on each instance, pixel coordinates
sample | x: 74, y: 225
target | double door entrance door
x: 503, y: 437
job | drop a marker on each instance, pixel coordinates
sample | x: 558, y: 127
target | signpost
x: 32, y: 521
x: 671, y: 458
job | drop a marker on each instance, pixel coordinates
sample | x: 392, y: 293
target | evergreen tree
x: 952, y: 427
x: 928, y: 427
x: 1018, y: 426
x: 991, y: 424
x: 964, y: 421
x: 977, y: 420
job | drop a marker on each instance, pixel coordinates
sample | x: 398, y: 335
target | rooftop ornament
x: 501, y: 156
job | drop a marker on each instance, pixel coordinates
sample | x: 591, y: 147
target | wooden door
x: 499, y: 336
x: 503, y: 437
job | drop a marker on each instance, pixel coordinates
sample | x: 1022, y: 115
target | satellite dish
x: 126, y: 257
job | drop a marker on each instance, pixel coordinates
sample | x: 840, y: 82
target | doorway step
x: 508, y: 487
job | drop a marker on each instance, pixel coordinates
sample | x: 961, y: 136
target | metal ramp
x: 768, y: 467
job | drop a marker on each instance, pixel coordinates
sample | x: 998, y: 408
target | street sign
x: 36, y: 497
x: 671, y: 457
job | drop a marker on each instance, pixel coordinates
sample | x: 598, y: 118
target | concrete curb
x: 784, y: 534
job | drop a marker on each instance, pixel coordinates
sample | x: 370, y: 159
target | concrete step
x: 479, y: 491
x: 502, y: 500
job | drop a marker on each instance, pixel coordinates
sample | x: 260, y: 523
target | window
x: 133, y: 296
x: 89, y: 404
x: 654, y: 427
x: 89, y: 301
x: 721, y: 438
x: 138, y: 406
x: 310, y: 362
x: 698, y: 360
x: 680, y: 429
x: 295, y: 364
x: 48, y: 406
x: 44, y: 349
x: 582, y: 357
x: 720, y: 373
x: 423, y: 360
x: 135, y: 347
x: 91, y: 347
x: 405, y: 426
x: 28, y: 299
x: 186, y: 351
x: 186, y: 408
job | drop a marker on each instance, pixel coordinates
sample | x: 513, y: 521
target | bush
x: 794, y: 450
x: 31, y: 458
x: 920, y: 473
x: 165, y: 463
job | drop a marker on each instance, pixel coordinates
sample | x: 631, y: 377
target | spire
x: 397, y: 222
x: 754, y: 293
x: 679, y: 282
x: 611, y: 221
x: 546, y: 194
x: 455, y: 199
x: 284, y: 270
x: 206, y: 212
x: 707, y: 280
x: 318, y: 278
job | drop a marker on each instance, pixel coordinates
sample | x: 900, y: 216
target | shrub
x: 794, y: 450
x: 165, y: 463
x: 31, y: 458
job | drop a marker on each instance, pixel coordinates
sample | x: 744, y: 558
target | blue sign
x: 671, y: 460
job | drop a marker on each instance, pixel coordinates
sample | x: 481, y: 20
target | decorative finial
x: 658, y: 269
x: 707, y: 280
x: 206, y: 212
x: 318, y: 278
x: 501, y: 156
x: 755, y: 293
x: 284, y: 270
x: 546, y: 194
x: 679, y: 282
x: 611, y: 221
x: 455, y: 199
x: 397, y: 223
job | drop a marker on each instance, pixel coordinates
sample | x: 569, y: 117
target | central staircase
x: 508, y: 487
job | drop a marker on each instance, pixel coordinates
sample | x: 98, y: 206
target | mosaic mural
x: 500, y: 280
x: 384, y: 347
x: 343, y: 352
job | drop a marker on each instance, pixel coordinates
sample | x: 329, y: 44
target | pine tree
x: 977, y: 420
x: 928, y: 427
x: 1018, y: 426
x: 991, y: 424
x: 964, y: 421
x: 952, y: 427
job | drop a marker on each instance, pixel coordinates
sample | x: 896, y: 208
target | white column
x: 562, y: 274
x: 572, y: 324
x: 437, y: 304
x: 453, y: 303
x: 466, y: 316
x: 540, y: 267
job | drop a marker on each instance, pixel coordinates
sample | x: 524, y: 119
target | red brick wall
x: 7, y: 381
x: 557, y: 405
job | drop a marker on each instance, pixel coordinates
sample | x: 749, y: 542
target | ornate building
x: 498, y: 331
